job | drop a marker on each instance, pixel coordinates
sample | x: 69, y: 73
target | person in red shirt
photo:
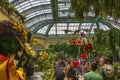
x: 75, y: 64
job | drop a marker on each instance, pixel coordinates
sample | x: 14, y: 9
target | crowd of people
x: 98, y: 69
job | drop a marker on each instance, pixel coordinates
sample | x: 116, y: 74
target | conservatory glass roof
x: 53, y: 17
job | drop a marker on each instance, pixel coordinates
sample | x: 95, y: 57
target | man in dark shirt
x: 59, y: 74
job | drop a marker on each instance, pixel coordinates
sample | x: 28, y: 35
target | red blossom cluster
x: 83, y: 55
x: 75, y: 42
x: 88, y: 47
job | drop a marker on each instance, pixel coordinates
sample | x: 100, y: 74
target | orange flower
x: 8, y: 68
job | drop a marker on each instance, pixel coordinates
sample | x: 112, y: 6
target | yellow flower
x: 28, y: 47
x: 32, y: 53
x: 45, y: 54
x: 20, y: 74
x: 40, y: 53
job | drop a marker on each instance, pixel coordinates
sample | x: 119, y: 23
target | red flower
x: 75, y: 42
x: 83, y: 55
x: 71, y: 42
x: 88, y: 47
x: 2, y: 56
x: 79, y: 42
x: 82, y: 34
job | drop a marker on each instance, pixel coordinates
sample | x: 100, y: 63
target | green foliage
x: 99, y: 38
x: 48, y: 67
x: 63, y: 48
x: 116, y: 65
x: 11, y: 10
x: 107, y: 42
x: 4, y: 3
x: 104, y: 7
x: 8, y: 45
x: 57, y: 47
x: 114, y: 39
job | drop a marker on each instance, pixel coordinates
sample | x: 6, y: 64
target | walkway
x: 80, y: 78
x: 37, y: 76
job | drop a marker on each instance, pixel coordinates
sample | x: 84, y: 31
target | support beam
x: 41, y: 22
x: 54, y: 7
x: 114, y: 23
x: 101, y: 20
x: 39, y: 27
x: 49, y: 27
x: 67, y: 28
x: 97, y: 24
x: 106, y: 23
x: 79, y: 26
x: 35, y: 25
x: 91, y: 28
x: 56, y: 29
x: 68, y: 20
x: 73, y: 20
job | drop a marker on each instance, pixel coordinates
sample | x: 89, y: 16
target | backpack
x: 109, y: 71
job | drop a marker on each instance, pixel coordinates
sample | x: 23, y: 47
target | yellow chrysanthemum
x: 32, y: 53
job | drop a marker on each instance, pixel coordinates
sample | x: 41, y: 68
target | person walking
x: 92, y: 75
x: 106, y: 69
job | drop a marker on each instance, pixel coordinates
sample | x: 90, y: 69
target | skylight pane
x: 52, y: 30
x: 73, y: 26
x: 31, y: 15
x: 35, y: 2
x: 37, y: 19
x: 42, y: 30
x: 94, y: 26
x: 60, y: 32
x: 24, y: 5
x: 103, y: 26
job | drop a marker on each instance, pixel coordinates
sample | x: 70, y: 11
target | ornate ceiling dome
x: 52, y: 17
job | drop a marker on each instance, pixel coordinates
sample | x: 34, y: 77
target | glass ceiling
x: 53, y: 17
